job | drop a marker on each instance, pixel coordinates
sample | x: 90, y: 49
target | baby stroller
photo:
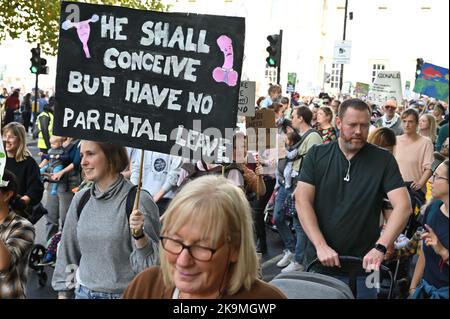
x: 268, y: 215
x: 38, y: 251
x: 351, y: 267
x: 406, y: 247
x: 41, y: 257
x: 307, y: 285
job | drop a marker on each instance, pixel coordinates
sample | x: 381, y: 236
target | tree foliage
x: 38, y: 20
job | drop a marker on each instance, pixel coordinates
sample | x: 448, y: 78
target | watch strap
x: 381, y: 248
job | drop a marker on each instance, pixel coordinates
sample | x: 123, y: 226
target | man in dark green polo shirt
x: 340, y: 192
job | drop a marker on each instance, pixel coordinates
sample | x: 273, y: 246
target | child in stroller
x: 400, y: 257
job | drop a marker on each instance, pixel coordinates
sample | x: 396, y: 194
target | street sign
x: 342, y: 52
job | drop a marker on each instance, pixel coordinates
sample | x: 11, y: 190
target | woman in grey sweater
x: 98, y: 255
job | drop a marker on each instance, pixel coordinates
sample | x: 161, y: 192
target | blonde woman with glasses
x: 207, y: 249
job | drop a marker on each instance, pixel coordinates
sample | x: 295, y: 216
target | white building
x: 385, y: 34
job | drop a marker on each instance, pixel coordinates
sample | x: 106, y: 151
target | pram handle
x: 356, y: 260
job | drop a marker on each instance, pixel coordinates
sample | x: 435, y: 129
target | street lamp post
x: 341, y: 77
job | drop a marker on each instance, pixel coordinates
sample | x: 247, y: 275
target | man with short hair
x: 390, y: 119
x: 340, y: 192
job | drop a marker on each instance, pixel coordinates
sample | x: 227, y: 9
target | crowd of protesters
x: 196, y: 236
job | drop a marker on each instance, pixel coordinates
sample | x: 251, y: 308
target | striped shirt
x: 17, y: 234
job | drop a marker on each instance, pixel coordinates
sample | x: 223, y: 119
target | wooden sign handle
x: 139, y: 185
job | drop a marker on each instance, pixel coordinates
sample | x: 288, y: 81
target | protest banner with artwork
x: 361, y: 89
x: 433, y: 82
x: 166, y: 82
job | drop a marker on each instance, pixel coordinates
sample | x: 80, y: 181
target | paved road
x: 35, y: 291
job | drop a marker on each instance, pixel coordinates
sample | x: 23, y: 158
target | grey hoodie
x: 99, y: 246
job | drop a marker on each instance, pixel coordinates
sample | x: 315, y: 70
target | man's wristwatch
x: 381, y: 248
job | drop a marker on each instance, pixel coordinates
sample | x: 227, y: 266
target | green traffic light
x: 34, y: 69
x: 271, y: 61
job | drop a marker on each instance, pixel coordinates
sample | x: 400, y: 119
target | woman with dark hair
x: 16, y: 240
x: 26, y: 111
x: 430, y: 279
x: 96, y: 240
x: 12, y: 103
x: 325, y: 128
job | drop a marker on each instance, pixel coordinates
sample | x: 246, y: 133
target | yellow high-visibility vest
x: 41, y: 141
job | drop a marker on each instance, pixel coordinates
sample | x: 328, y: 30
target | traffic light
x: 38, y: 64
x: 419, y: 66
x: 274, y: 50
x: 35, y: 60
x: 43, y: 68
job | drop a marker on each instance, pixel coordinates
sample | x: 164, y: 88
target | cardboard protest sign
x: 387, y: 84
x: 433, y: 82
x: 165, y: 82
x: 261, y: 130
x: 247, y: 93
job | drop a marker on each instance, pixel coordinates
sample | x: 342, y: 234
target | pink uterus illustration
x: 226, y: 73
x: 83, y: 31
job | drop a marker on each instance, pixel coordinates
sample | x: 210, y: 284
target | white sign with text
x: 246, y: 106
x: 342, y: 52
x: 387, y: 84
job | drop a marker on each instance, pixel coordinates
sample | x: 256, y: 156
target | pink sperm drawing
x: 226, y: 73
x: 83, y: 31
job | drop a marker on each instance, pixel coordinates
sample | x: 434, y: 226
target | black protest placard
x: 147, y: 79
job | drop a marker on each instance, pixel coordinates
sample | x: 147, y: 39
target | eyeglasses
x: 435, y: 176
x: 9, y: 137
x: 197, y: 252
x: 387, y: 107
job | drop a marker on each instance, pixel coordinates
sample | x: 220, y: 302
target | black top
x: 348, y: 198
x: 28, y: 178
x: 436, y: 272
